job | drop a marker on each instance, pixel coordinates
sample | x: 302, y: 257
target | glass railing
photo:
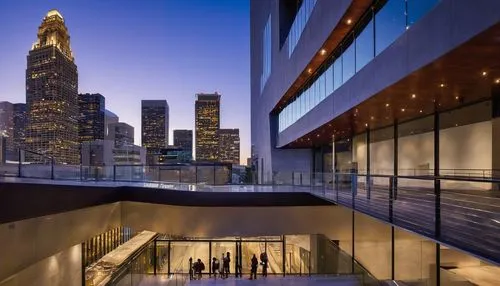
x: 299, y: 23
x: 374, y: 32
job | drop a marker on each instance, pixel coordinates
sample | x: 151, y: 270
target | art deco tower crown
x: 53, y: 32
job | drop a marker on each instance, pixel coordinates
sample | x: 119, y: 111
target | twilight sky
x: 129, y: 50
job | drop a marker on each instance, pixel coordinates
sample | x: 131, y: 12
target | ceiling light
x: 413, y: 95
x: 402, y: 109
x: 485, y: 73
x: 366, y: 124
x: 387, y: 105
x: 456, y: 97
x: 372, y: 118
x: 349, y: 21
x: 497, y: 81
x: 442, y: 85
x: 323, y: 52
x: 421, y: 111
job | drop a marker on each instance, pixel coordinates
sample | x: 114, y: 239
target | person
x: 215, y: 267
x: 226, y: 263
x: 254, y: 264
x: 191, y: 266
x: 221, y: 270
x: 264, y: 261
x: 199, y: 267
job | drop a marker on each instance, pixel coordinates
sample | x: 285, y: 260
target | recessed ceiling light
x: 323, y: 52
x: 387, y: 105
x: 484, y: 73
x: 421, y: 111
x: 456, y: 97
x: 442, y: 85
x: 349, y: 21
x: 402, y: 109
x: 366, y: 124
x: 372, y: 118
x: 413, y: 95
x: 497, y: 81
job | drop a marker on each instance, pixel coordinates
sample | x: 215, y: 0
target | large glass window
x: 322, y: 86
x: 266, y: 53
x: 418, y: 8
x: 329, y: 80
x: 348, y: 62
x: 390, y: 23
x: 364, y: 44
x: 337, y: 73
x: 299, y: 24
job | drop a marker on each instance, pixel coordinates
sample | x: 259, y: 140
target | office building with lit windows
x: 92, y: 116
x: 12, y: 128
x: 7, y: 124
x: 184, y: 140
x: 121, y: 133
x: 207, y: 124
x: 52, y: 93
x: 20, y: 121
x: 229, y: 146
x: 154, y: 126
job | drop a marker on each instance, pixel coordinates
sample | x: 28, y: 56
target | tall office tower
x: 184, y: 140
x: 207, y: 121
x: 52, y: 93
x: 91, y: 121
x: 154, y: 123
x: 121, y: 133
x: 20, y: 121
x: 109, y: 118
x: 229, y: 146
x: 7, y: 126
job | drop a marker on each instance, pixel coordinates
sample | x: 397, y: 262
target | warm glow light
x: 366, y: 124
x: 372, y: 118
x: 497, y: 81
x: 310, y: 70
x: 349, y: 21
x: 323, y: 52
x: 387, y: 105
x: 441, y: 85
x: 484, y: 73
x: 456, y: 97
x: 413, y: 95
x: 421, y: 111
x: 402, y: 109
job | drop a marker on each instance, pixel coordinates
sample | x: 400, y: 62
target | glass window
x: 329, y: 80
x: 316, y: 92
x: 311, y: 98
x: 322, y: 86
x: 266, y: 53
x: 348, y: 61
x: 418, y: 8
x: 390, y: 23
x: 364, y: 45
x: 302, y: 104
x: 337, y: 73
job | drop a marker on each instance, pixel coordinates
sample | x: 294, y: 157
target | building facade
x: 109, y: 118
x: 229, y: 146
x: 207, y: 124
x: 184, y: 140
x: 7, y: 125
x: 92, y: 116
x: 121, y: 134
x: 52, y: 93
x: 20, y: 122
x: 154, y: 123
x: 105, y: 153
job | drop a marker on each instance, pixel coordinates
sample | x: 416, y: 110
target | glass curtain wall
x: 377, y: 30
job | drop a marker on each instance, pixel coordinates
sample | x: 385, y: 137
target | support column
x: 169, y: 257
x: 155, y: 259
x: 495, y: 135
x: 393, y: 194
x: 210, y: 259
x: 437, y: 194
x: 283, y: 254
x: 368, y: 185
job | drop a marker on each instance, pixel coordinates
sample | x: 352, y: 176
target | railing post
x: 114, y: 173
x: 19, y: 165
x: 155, y: 259
x: 81, y: 172
x: 52, y: 168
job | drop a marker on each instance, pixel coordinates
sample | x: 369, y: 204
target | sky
x: 129, y: 50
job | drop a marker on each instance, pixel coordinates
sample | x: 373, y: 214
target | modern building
x: 229, y: 146
x: 105, y: 153
x: 169, y: 155
x: 121, y: 134
x: 91, y: 125
x: 52, y: 93
x: 207, y: 124
x: 109, y: 118
x: 154, y: 123
x: 184, y: 140
x: 377, y: 88
x: 20, y: 122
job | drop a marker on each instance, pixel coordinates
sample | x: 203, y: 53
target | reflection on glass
x: 329, y: 81
x: 337, y: 73
x: 390, y: 23
x: 348, y: 61
x: 418, y: 8
x: 364, y: 46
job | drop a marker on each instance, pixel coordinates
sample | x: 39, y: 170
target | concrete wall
x: 26, y: 242
x: 63, y: 268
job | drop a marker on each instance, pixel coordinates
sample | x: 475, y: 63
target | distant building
x: 92, y: 113
x: 184, y: 140
x: 7, y: 126
x: 52, y: 93
x: 207, y: 122
x: 249, y: 161
x: 229, y: 146
x: 154, y: 126
x: 121, y: 134
x: 20, y: 122
x: 170, y: 155
x: 109, y: 118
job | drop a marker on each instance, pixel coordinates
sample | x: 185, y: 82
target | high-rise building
x: 184, y: 140
x: 7, y: 126
x: 109, y: 118
x: 207, y: 123
x: 20, y: 121
x: 92, y: 113
x: 229, y: 146
x: 52, y: 93
x: 154, y: 123
x: 121, y: 134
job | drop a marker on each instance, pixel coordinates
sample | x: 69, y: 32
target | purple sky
x: 149, y: 49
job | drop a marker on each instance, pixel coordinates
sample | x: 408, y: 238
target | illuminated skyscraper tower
x: 52, y: 93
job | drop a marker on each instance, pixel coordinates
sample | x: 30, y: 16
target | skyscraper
x: 121, y: 134
x: 109, y: 118
x: 154, y: 123
x: 7, y: 125
x: 229, y: 146
x: 91, y: 121
x: 20, y: 121
x: 207, y: 121
x: 184, y: 140
x: 52, y: 93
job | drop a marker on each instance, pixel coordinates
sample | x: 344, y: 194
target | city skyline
x: 172, y: 72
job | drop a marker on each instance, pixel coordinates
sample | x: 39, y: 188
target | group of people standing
x: 223, y: 271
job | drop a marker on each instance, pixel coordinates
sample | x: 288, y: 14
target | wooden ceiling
x: 460, y: 77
